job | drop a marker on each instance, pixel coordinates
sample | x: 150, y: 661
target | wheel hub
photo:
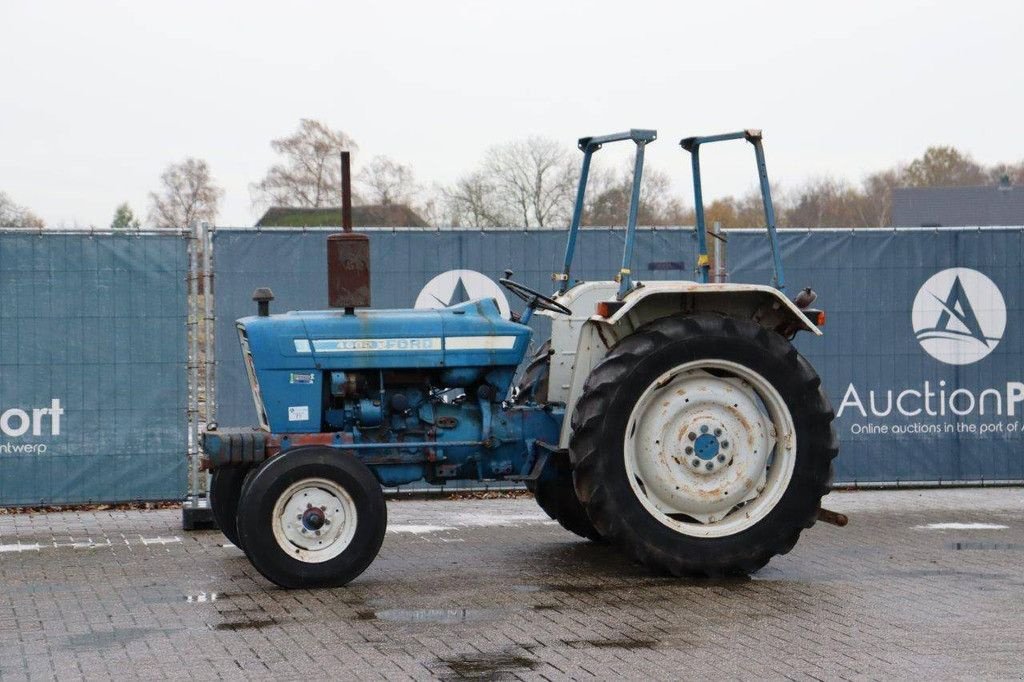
x: 706, y: 447
x: 314, y: 520
x: 700, y: 445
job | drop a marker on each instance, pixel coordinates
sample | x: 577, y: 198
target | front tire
x: 225, y: 492
x: 312, y: 517
x: 703, y: 445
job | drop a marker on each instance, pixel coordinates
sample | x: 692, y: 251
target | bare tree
x: 534, y: 181
x: 1007, y: 172
x: 310, y: 173
x: 745, y: 211
x: 433, y: 208
x: 876, y: 201
x: 825, y: 202
x: 187, y: 194
x: 470, y: 202
x: 387, y: 182
x: 609, y: 195
x: 13, y: 215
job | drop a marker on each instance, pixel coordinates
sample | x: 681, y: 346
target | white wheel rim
x: 314, y: 520
x: 710, y: 448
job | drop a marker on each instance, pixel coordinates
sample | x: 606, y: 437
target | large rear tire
x: 312, y: 517
x: 703, y: 445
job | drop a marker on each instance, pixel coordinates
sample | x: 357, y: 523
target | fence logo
x: 459, y: 286
x: 17, y: 423
x: 959, y: 316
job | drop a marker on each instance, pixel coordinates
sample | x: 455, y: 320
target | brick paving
x: 493, y: 590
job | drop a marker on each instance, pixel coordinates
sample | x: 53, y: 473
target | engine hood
x: 469, y: 334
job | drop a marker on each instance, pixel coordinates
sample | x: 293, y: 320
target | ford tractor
x: 672, y: 419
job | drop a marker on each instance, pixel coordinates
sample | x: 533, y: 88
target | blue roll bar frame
x: 692, y: 145
x: 589, y: 145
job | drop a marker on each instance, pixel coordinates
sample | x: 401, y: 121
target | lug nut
x: 689, y: 450
x: 303, y: 530
x: 718, y: 432
x: 318, y: 533
x: 327, y: 522
x: 721, y: 458
x: 309, y: 506
x: 725, y: 443
x: 709, y: 466
x: 323, y: 507
x: 704, y: 429
x: 691, y: 435
x: 696, y: 462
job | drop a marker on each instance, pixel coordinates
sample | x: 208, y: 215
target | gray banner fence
x: 92, y: 367
x: 922, y: 353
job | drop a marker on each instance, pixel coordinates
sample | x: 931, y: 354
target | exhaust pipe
x: 348, y: 255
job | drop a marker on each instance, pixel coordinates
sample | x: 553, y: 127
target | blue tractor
x: 672, y: 419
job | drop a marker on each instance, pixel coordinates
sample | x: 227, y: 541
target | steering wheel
x: 534, y: 299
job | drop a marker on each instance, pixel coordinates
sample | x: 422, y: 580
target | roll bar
x: 589, y: 145
x: 642, y: 137
x: 753, y: 136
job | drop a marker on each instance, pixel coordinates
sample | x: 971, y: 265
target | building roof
x: 1001, y: 204
x: 392, y: 215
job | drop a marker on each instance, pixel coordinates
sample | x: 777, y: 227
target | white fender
x: 581, y: 340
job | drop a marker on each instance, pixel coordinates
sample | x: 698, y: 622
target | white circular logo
x: 459, y: 286
x: 959, y: 316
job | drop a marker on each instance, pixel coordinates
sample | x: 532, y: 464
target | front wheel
x: 225, y: 491
x: 703, y: 445
x: 312, y: 517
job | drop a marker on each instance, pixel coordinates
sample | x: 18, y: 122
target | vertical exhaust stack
x: 348, y: 255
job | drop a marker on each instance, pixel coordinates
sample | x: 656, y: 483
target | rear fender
x: 765, y: 305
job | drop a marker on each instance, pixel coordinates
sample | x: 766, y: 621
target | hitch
x: 833, y: 517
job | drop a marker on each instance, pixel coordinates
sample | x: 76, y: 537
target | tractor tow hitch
x: 833, y: 517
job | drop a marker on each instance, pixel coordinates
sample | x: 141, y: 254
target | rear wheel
x: 703, y: 445
x: 312, y: 517
x: 555, y: 494
x: 225, y: 491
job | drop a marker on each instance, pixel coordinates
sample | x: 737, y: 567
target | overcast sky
x: 98, y: 97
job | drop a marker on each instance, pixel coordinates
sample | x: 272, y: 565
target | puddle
x: 234, y: 626
x: 443, y: 616
x: 489, y: 666
x: 105, y: 640
x: 581, y: 589
x: 981, y: 545
x: 648, y: 585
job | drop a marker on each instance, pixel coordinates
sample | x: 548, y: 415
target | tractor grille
x: 254, y: 384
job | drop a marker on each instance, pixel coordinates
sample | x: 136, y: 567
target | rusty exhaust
x: 348, y: 255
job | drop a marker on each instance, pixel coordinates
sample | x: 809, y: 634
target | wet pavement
x: 921, y: 583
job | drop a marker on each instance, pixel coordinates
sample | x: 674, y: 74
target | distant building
x: 1001, y: 204
x: 392, y: 215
